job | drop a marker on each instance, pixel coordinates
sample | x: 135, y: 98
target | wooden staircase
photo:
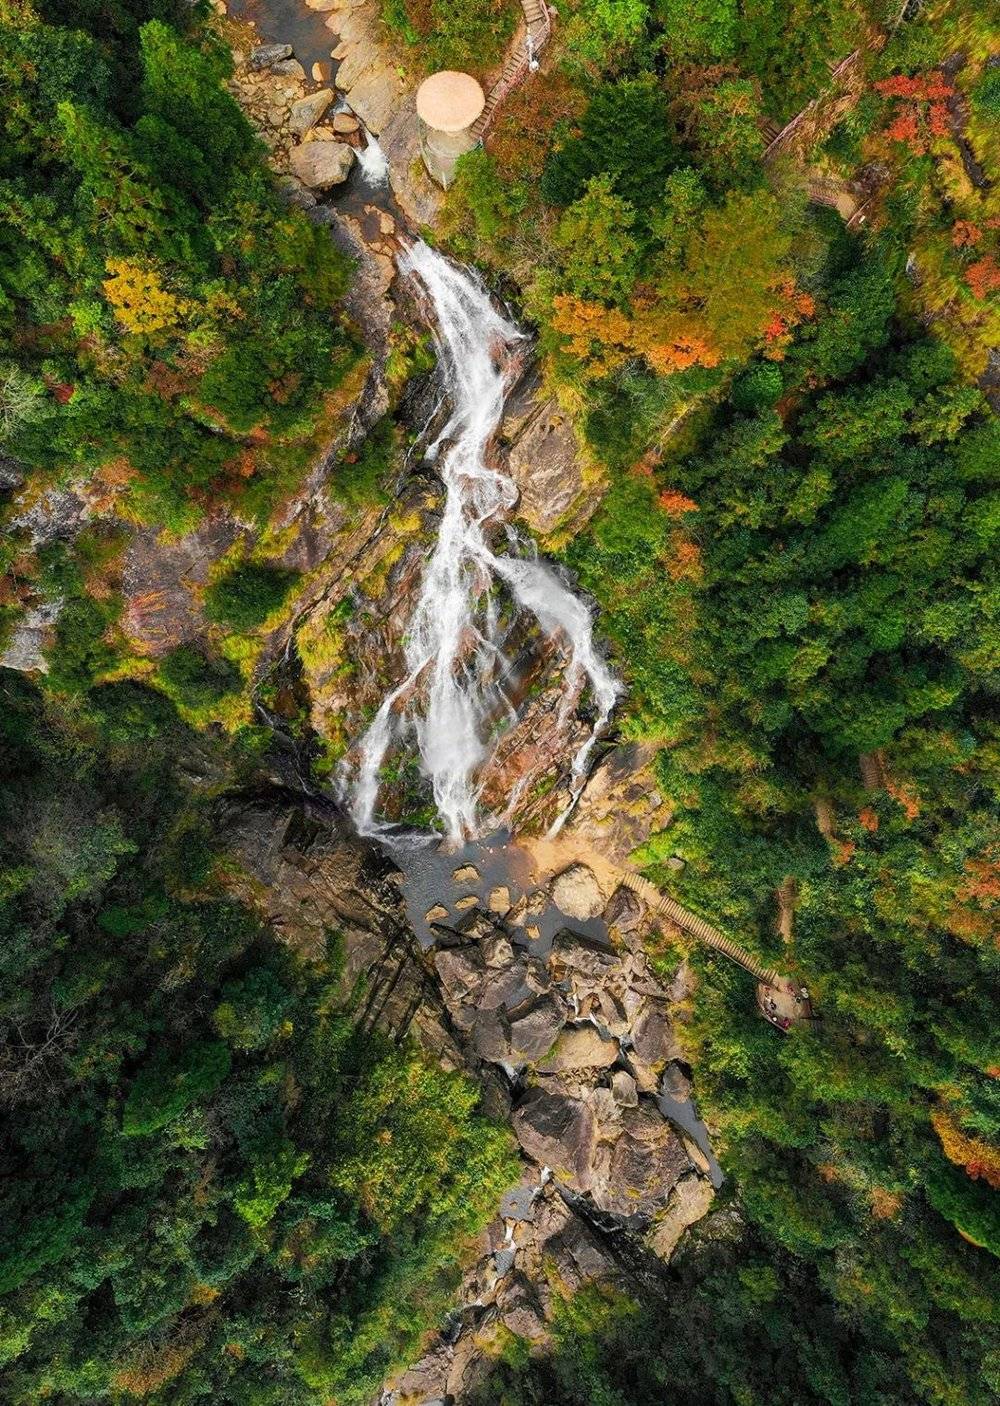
x: 538, y: 28
x: 697, y: 927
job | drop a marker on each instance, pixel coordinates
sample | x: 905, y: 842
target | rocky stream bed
x: 571, y: 1036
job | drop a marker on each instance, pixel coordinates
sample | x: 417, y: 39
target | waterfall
x: 455, y: 666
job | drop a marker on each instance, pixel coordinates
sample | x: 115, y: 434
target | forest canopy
x: 757, y: 242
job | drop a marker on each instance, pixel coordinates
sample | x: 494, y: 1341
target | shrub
x: 626, y: 132
x: 81, y: 651
x: 164, y: 1088
x: 758, y: 388
x: 360, y: 478
x: 986, y: 94
x: 195, y: 680
x: 247, y: 594
x: 465, y: 34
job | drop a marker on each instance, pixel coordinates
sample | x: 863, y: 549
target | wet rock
x: 533, y: 1031
x: 545, y: 463
x: 689, y: 1202
x: 427, y: 1380
x: 557, y: 1130
x: 698, y: 1158
x: 464, y: 904
x: 497, y: 951
x: 462, y: 972
x: 307, y: 111
x: 267, y: 54
x: 676, y: 1083
x: 579, y: 1047
x: 437, y: 914
x: 521, y: 1311
x: 466, y: 874
x: 469, y: 1365
x: 530, y: 905
x: 320, y: 165
x: 499, y: 900
x: 625, y: 912
x: 512, y: 986
x: 577, y: 893
x: 322, y: 72
x: 580, y: 955
x: 491, y: 1035
x: 653, y: 1040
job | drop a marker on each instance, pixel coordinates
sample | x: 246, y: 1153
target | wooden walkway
x: 521, y: 56
x: 780, y: 1000
x: 697, y: 927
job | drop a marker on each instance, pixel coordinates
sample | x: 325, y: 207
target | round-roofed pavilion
x: 448, y: 105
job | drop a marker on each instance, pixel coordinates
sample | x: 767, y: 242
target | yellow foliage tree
x: 141, y: 303
x: 605, y: 338
x: 972, y: 1154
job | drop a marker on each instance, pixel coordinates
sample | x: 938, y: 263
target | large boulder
x: 267, y: 54
x: 462, y: 972
x: 545, y: 464
x: 320, y: 165
x: 557, y: 1130
x: 580, y: 1047
x: 577, y: 893
x: 653, y: 1044
x: 304, y: 114
x: 647, y: 1159
x: 689, y: 1201
x: 533, y: 1031
x: 491, y: 1036
x: 512, y: 986
x: 580, y: 955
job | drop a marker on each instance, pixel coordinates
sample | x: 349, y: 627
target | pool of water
x: 290, y: 22
x: 428, y: 866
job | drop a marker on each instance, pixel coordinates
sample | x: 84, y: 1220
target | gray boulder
x: 533, y: 1031
x: 307, y: 111
x: 577, y: 893
x: 580, y: 955
x: 557, y: 1130
x: 646, y: 1162
x: 580, y: 1047
x: 267, y: 54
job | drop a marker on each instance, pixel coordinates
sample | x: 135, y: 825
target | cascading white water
x: 372, y: 161
x: 455, y: 667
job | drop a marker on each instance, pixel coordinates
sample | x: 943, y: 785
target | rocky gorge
x: 543, y: 993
